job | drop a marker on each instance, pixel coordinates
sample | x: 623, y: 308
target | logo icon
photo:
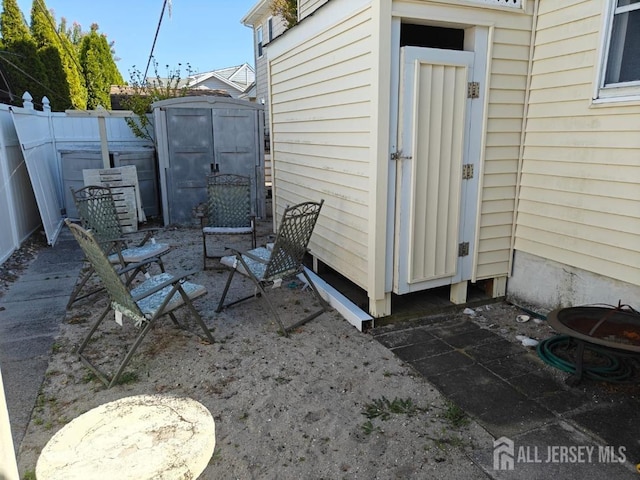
x: 503, y: 453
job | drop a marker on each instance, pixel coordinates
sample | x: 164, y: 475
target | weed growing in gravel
x: 455, y: 416
x: 383, y: 408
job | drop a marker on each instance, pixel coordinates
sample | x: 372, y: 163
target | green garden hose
x: 611, y: 367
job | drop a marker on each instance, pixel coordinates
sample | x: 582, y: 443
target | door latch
x: 398, y: 156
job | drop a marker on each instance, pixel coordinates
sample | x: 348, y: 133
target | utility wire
x: 52, y: 93
x: 153, y: 46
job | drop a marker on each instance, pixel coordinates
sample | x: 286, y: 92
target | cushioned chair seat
x: 151, y: 304
x: 257, y: 268
x: 140, y: 254
x: 227, y: 230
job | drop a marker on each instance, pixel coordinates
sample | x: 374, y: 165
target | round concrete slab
x: 139, y: 437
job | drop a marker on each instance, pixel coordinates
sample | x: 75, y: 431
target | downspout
x: 525, y: 115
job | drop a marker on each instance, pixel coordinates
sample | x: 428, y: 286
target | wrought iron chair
x: 227, y: 211
x: 98, y: 212
x: 157, y: 296
x: 269, y: 266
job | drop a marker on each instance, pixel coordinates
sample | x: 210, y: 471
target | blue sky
x: 207, y: 34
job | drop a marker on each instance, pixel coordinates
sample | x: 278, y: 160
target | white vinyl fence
x: 31, y: 185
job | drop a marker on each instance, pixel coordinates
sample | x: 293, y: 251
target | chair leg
x: 274, y: 312
x: 109, y: 382
x: 221, y: 304
x: 323, y: 305
x: 204, y: 252
x: 131, y: 351
x: 75, y: 294
x: 93, y: 329
x: 103, y: 378
x: 197, y: 315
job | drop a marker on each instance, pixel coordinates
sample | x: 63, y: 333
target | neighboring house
x: 464, y: 141
x: 235, y: 80
x: 265, y: 28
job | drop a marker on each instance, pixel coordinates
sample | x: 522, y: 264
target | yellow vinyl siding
x: 321, y: 108
x: 580, y: 187
x: 508, y: 67
x: 505, y: 109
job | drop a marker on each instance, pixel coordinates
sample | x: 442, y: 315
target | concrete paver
x: 506, y: 390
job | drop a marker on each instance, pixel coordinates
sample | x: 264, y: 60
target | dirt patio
x: 327, y: 402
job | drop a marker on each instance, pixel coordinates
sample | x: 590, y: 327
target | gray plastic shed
x: 200, y: 135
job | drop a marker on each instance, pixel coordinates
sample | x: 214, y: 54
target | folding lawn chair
x: 157, y: 296
x: 228, y: 210
x: 98, y: 213
x: 269, y: 266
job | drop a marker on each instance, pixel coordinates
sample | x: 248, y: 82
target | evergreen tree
x: 21, y: 66
x: 44, y: 32
x: 49, y: 50
x: 98, y: 68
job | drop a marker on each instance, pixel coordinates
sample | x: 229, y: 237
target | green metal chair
x: 228, y: 210
x: 269, y: 266
x: 98, y: 213
x: 157, y: 296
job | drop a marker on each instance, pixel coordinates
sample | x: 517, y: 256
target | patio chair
x: 143, y: 304
x: 269, y: 266
x: 227, y: 211
x: 98, y: 212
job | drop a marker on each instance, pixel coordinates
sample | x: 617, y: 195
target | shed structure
x: 406, y: 117
x: 200, y: 135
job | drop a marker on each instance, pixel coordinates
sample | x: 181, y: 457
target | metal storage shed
x: 200, y: 135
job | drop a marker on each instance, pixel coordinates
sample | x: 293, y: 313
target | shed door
x: 190, y: 138
x: 237, y: 146
x: 433, y: 208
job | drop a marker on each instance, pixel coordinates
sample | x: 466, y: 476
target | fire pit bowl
x: 613, y: 327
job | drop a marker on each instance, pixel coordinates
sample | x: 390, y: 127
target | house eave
x: 256, y: 13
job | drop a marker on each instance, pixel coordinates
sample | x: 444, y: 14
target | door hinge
x: 399, y: 156
x: 463, y: 249
x: 473, y: 90
x: 467, y: 171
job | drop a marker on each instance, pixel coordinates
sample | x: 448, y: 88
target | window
x: 259, y: 39
x: 270, y: 29
x: 620, y: 69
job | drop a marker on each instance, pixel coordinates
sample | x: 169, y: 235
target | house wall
x: 579, y: 206
x: 323, y: 95
x: 262, y: 87
x: 307, y: 7
x: 320, y: 95
x: 217, y: 84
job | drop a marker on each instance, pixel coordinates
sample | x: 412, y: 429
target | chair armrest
x: 133, y: 266
x: 167, y: 283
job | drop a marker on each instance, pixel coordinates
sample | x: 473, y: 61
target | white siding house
x: 578, y: 231
x: 234, y: 80
x: 265, y: 27
x: 464, y: 141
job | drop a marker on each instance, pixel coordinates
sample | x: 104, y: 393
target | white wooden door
x: 435, y: 212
